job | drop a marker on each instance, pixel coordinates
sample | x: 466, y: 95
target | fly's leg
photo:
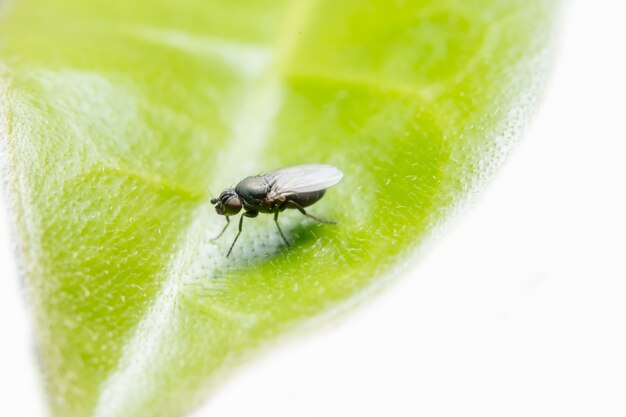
x: 303, y: 211
x: 279, y: 229
x: 223, y: 230
x: 246, y: 214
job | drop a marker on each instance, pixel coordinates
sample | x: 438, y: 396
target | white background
x: 519, y: 310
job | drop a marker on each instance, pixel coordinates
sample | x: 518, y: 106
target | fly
x: 294, y: 187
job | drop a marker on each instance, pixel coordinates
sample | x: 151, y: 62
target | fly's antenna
x: 209, y: 190
x: 213, y: 199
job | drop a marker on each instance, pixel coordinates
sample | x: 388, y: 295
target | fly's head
x: 228, y: 203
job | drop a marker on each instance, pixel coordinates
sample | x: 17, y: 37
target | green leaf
x: 117, y: 117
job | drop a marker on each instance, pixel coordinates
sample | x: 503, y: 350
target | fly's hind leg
x: 303, y: 211
x: 246, y: 214
x: 279, y: 229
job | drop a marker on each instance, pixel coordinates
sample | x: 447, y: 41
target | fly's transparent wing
x: 304, y: 178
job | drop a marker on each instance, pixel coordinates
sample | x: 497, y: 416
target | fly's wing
x: 304, y: 178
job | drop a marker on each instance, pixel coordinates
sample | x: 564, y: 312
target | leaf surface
x: 117, y: 117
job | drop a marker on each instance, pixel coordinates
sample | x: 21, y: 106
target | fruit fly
x: 294, y: 187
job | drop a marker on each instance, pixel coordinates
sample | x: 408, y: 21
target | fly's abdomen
x: 306, y: 199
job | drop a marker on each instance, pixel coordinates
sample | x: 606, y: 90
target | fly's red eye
x: 232, y: 206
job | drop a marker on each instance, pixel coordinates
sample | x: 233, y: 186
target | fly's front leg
x: 223, y: 230
x: 246, y: 214
x: 303, y: 211
x: 281, y: 232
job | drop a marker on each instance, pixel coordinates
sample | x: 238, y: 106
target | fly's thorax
x: 253, y: 190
